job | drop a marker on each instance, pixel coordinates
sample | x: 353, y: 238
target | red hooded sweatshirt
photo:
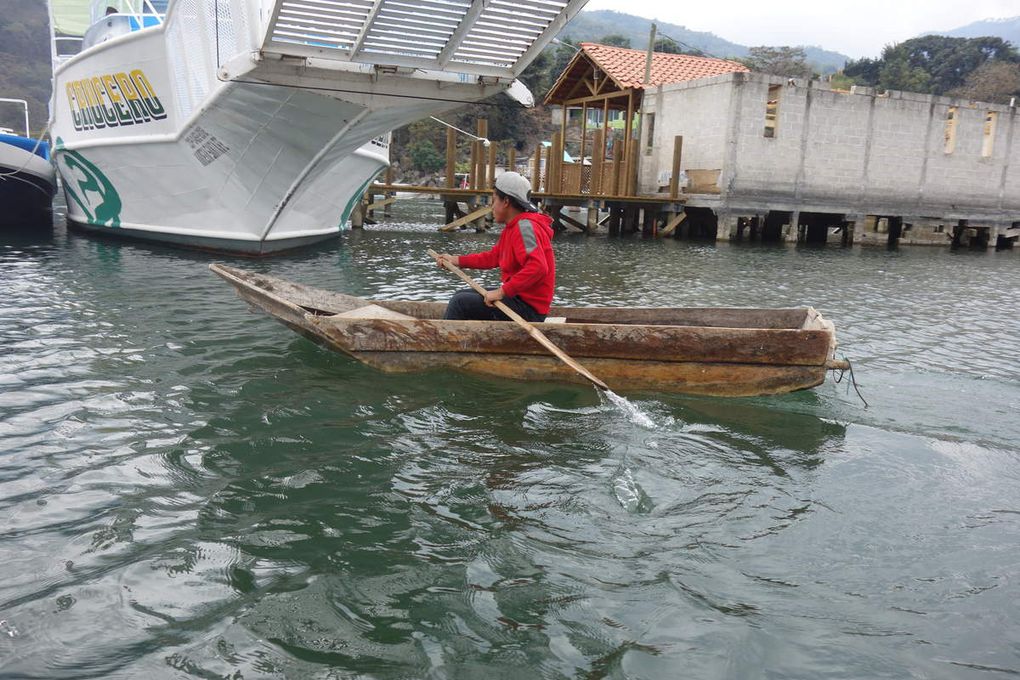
x: 525, y: 258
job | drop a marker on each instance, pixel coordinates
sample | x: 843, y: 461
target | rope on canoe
x: 853, y: 380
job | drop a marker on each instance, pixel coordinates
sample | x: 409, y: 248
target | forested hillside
x: 24, y: 62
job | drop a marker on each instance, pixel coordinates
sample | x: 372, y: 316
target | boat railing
x: 112, y: 18
x: 141, y: 13
x: 24, y: 105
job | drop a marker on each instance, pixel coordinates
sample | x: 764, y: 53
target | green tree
x: 542, y: 73
x: 790, y: 62
x: 667, y: 46
x: 933, y: 64
x: 897, y: 74
x: 424, y: 156
x: 994, y: 81
x: 615, y: 40
x: 863, y: 71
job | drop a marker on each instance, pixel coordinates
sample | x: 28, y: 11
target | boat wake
x: 633, y: 413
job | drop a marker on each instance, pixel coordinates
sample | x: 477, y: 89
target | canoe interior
x: 321, y: 302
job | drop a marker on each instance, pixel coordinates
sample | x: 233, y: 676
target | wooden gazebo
x: 612, y: 80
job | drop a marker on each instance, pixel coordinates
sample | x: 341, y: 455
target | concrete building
x: 771, y: 158
x: 795, y: 156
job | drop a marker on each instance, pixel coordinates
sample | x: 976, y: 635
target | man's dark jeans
x: 467, y: 304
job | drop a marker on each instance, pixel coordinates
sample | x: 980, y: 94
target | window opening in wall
x: 989, y: 139
x: 772, y: 110
x: 651, y: 134
x: 950, y: 133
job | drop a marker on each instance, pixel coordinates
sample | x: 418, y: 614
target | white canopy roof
x: 480, y: 37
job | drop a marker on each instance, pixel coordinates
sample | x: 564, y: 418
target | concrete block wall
x: 899, y: 133
x: 761, y: 167
x: 837, y: 151
x: 1010, y: 191
x: 963, y: 179
x: 696, y: 110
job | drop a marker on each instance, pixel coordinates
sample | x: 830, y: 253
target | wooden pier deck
x: 605, y: 184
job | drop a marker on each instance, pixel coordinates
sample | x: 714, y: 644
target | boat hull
x: 726, y: 352
x: 259, y: 170
x: 27, y: 186
x: 156, y: 137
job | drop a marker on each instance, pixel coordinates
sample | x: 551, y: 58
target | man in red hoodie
x: 523, y: 254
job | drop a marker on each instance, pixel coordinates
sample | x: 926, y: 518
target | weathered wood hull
x: 721, y: 352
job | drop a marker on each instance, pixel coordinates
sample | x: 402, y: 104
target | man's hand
x: 443, y: 258
x: 492, y: 296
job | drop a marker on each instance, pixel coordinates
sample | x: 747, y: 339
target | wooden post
x: 593, y: 218
x: 628, y: 144
x: 605, y: 138
x: 672, y: 223
x: 614, y: 187
x: 615, y: 213
x: 472, y: 217
x: 491, y: 174
x: 563, y: 124
x: 554, y: 164
x: 482, y: 130
x: 536, y: 171
x: 473, y: 172
x: 630, y: 219
x: 387, y: 210
x: 511, y: 158
x: 554, y: 210
x: 451, y: 158
x: 584, y: 139
x: 674, y: 179
x: 598, y: 158
x: 358, y: 215
x: 650, y: 221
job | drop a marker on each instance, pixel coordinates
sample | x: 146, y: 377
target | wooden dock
x: 603, y: 191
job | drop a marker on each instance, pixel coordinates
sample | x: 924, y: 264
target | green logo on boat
x: 89, y: 188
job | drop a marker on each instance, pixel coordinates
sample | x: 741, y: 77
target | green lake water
x: 188, y: 489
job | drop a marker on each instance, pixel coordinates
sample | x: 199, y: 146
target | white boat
x: 27, y: 179
x: 252, y: 126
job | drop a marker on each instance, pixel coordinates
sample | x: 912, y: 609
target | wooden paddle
x: 538, y: 335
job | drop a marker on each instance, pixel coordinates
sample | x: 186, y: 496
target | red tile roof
x: 627, y: 66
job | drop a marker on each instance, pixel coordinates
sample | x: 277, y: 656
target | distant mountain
x: 596, y: 24
x: 1007, y: 29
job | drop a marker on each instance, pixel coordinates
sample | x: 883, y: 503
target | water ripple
x: 190, y: 489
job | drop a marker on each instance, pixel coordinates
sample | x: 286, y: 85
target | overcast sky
x: 858, y: 28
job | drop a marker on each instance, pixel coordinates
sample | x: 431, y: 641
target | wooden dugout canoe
x: 710, y: 351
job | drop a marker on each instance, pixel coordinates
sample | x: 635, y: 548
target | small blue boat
x: 27, y: 177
